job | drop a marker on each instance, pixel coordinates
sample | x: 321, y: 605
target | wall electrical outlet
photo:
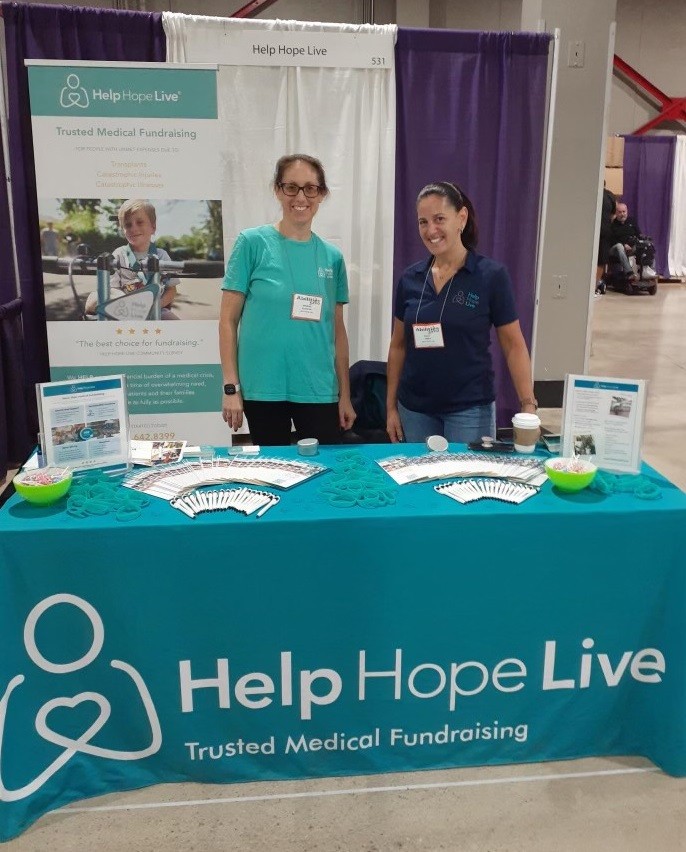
x: 559, y: 286
x: 577, y: 53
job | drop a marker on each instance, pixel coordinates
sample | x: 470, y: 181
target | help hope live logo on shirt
x: 471, y: 300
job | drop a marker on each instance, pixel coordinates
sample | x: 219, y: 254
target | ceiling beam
x: 670, y: 109
x: 252, y: 8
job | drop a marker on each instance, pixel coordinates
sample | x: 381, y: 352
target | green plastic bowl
x: 570, y: 474
x: 26, y: 486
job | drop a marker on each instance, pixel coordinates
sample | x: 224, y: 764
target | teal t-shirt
x: 280, y: 358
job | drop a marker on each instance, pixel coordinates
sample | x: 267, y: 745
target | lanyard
x: 426, y: 277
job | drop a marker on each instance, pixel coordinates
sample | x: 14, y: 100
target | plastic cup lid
x: 526, y: 420
x: 436, y: 443
x: 308, y: 442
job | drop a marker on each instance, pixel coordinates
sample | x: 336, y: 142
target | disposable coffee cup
x: 526, y: 430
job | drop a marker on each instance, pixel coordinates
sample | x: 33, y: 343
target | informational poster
x: 127, y: 163
x: 84, y: 424
x: 603, y: 421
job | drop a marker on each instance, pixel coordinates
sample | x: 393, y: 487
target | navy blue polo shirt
x: 460, y: 375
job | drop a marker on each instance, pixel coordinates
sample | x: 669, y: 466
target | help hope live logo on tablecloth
x: 306, y: 690
x: 83, y: 743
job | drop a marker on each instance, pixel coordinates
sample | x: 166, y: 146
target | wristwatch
x: 529, y: 400
x: 230, y: 390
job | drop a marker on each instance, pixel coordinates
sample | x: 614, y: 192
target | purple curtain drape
x: 471, y: 110
x: 55, y: 32
x: 18, y: 428
x: 648, y: 173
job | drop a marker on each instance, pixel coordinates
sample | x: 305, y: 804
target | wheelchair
x: 640, y: 279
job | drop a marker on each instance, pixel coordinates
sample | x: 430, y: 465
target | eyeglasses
x: 310, y: 190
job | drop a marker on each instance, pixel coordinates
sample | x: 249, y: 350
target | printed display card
x: 84, y: 422
x: 603, y: 421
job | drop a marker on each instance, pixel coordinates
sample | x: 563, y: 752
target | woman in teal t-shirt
x: 286, y: 288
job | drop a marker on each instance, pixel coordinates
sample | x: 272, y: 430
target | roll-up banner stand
x: 108, y: 135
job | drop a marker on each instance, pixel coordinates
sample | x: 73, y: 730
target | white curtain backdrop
x: 676, y: 256
x: 343, y: 116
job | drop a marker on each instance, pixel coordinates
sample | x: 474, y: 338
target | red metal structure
x: 251, y: 9
x: 671, y: 109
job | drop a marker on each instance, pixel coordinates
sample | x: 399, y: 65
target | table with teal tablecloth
x: 319, y: 641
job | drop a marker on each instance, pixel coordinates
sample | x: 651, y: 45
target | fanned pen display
x: 245, y: 501
x: 470, y: 490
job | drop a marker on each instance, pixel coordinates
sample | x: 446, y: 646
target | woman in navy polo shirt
x: 440, y: 374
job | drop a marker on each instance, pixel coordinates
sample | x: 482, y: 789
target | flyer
x: 426, y: 468
x: 171, y: 480
x: 603, y: 421
x: 150, y: 453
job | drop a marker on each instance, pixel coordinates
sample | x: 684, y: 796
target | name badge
x: 428, y: 335
x: 307, y: 307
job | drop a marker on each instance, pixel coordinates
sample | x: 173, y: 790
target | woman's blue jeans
x: 456, y: 426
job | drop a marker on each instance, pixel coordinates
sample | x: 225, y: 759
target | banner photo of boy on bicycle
x: 185, y: 236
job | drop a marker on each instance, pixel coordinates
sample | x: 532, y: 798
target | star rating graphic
x: 132, y: 331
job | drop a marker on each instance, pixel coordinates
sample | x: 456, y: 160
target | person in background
x: 286, y: 287
x: 70, y: 241
x: 138, y: 221
x: 607, y: 214
x: 49, y: 241
x: 440, y: 374
x: 625, y: 233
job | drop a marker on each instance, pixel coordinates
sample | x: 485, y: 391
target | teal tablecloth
x: 324, y: 641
